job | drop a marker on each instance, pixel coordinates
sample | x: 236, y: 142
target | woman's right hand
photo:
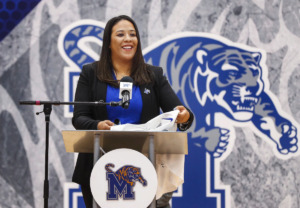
x: 104, y: 125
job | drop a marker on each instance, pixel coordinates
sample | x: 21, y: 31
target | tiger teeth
x: 235, y: 102
x: 251, y: 99
x: 244, y: 108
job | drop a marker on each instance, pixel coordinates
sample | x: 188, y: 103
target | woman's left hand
x: 183, y: 115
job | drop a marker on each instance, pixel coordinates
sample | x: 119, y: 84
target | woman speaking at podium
x: 121, y: 56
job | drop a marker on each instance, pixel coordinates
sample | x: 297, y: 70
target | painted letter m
x: 117, y: 188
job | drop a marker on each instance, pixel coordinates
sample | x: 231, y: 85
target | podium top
x: 165, y: 142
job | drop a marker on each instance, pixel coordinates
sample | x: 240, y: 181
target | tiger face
x: 233, y: 79
x: 134, y: 174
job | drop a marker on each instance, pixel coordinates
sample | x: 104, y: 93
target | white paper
x: 163, y: 122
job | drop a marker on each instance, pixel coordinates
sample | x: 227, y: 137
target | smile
x: 127, y: 47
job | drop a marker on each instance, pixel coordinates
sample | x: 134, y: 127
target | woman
x: 121, y: 56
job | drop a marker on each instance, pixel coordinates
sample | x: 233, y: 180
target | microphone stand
x: 47, y: 111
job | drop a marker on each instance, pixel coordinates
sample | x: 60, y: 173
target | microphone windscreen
x: 126, y: 79
x: 126, y: 87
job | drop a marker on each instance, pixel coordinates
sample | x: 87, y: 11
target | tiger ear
x: 257, y: 57
x: 201, y: 58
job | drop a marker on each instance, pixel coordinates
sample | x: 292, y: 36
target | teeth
x: 245, y: 108
x: 127, y: 47
x: 251, y: 99
x: 235, y: 102
x: 250, y: 107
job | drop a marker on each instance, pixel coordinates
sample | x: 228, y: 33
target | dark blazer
x: 90, y: 88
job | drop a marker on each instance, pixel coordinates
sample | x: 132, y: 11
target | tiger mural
x: 127, y: 173
x: 225, y: 85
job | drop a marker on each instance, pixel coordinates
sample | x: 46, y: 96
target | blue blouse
x: 130, y: 115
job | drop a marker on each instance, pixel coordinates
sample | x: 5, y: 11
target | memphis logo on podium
x: 122, y: 182
x: 123, y: 178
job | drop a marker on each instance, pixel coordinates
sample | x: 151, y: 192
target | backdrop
x: 234, y: 63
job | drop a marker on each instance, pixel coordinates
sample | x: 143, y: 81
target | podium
x: 150, y: 143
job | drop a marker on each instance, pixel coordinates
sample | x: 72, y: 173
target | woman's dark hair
x: 139, y: 73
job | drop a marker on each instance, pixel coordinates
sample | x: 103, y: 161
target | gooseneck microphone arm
x: 47, y: 111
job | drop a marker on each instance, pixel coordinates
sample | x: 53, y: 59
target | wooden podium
x: 150, y: 143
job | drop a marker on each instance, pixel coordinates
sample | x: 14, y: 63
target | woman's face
x: 123, y: 42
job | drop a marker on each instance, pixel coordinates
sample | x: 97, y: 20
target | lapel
x: 150, y: 104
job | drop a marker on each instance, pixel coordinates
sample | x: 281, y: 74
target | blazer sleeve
x: 83, y: 116
x: 168, y: 100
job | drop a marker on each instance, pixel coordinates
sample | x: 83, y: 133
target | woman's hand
x: 183, y: 115
x: 104, y: 125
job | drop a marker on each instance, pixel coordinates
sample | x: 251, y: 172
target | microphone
x: 125, y: 91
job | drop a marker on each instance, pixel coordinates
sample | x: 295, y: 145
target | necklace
x: 119, y: 76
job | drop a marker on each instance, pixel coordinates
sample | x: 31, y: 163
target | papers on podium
x: 163, y: 122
